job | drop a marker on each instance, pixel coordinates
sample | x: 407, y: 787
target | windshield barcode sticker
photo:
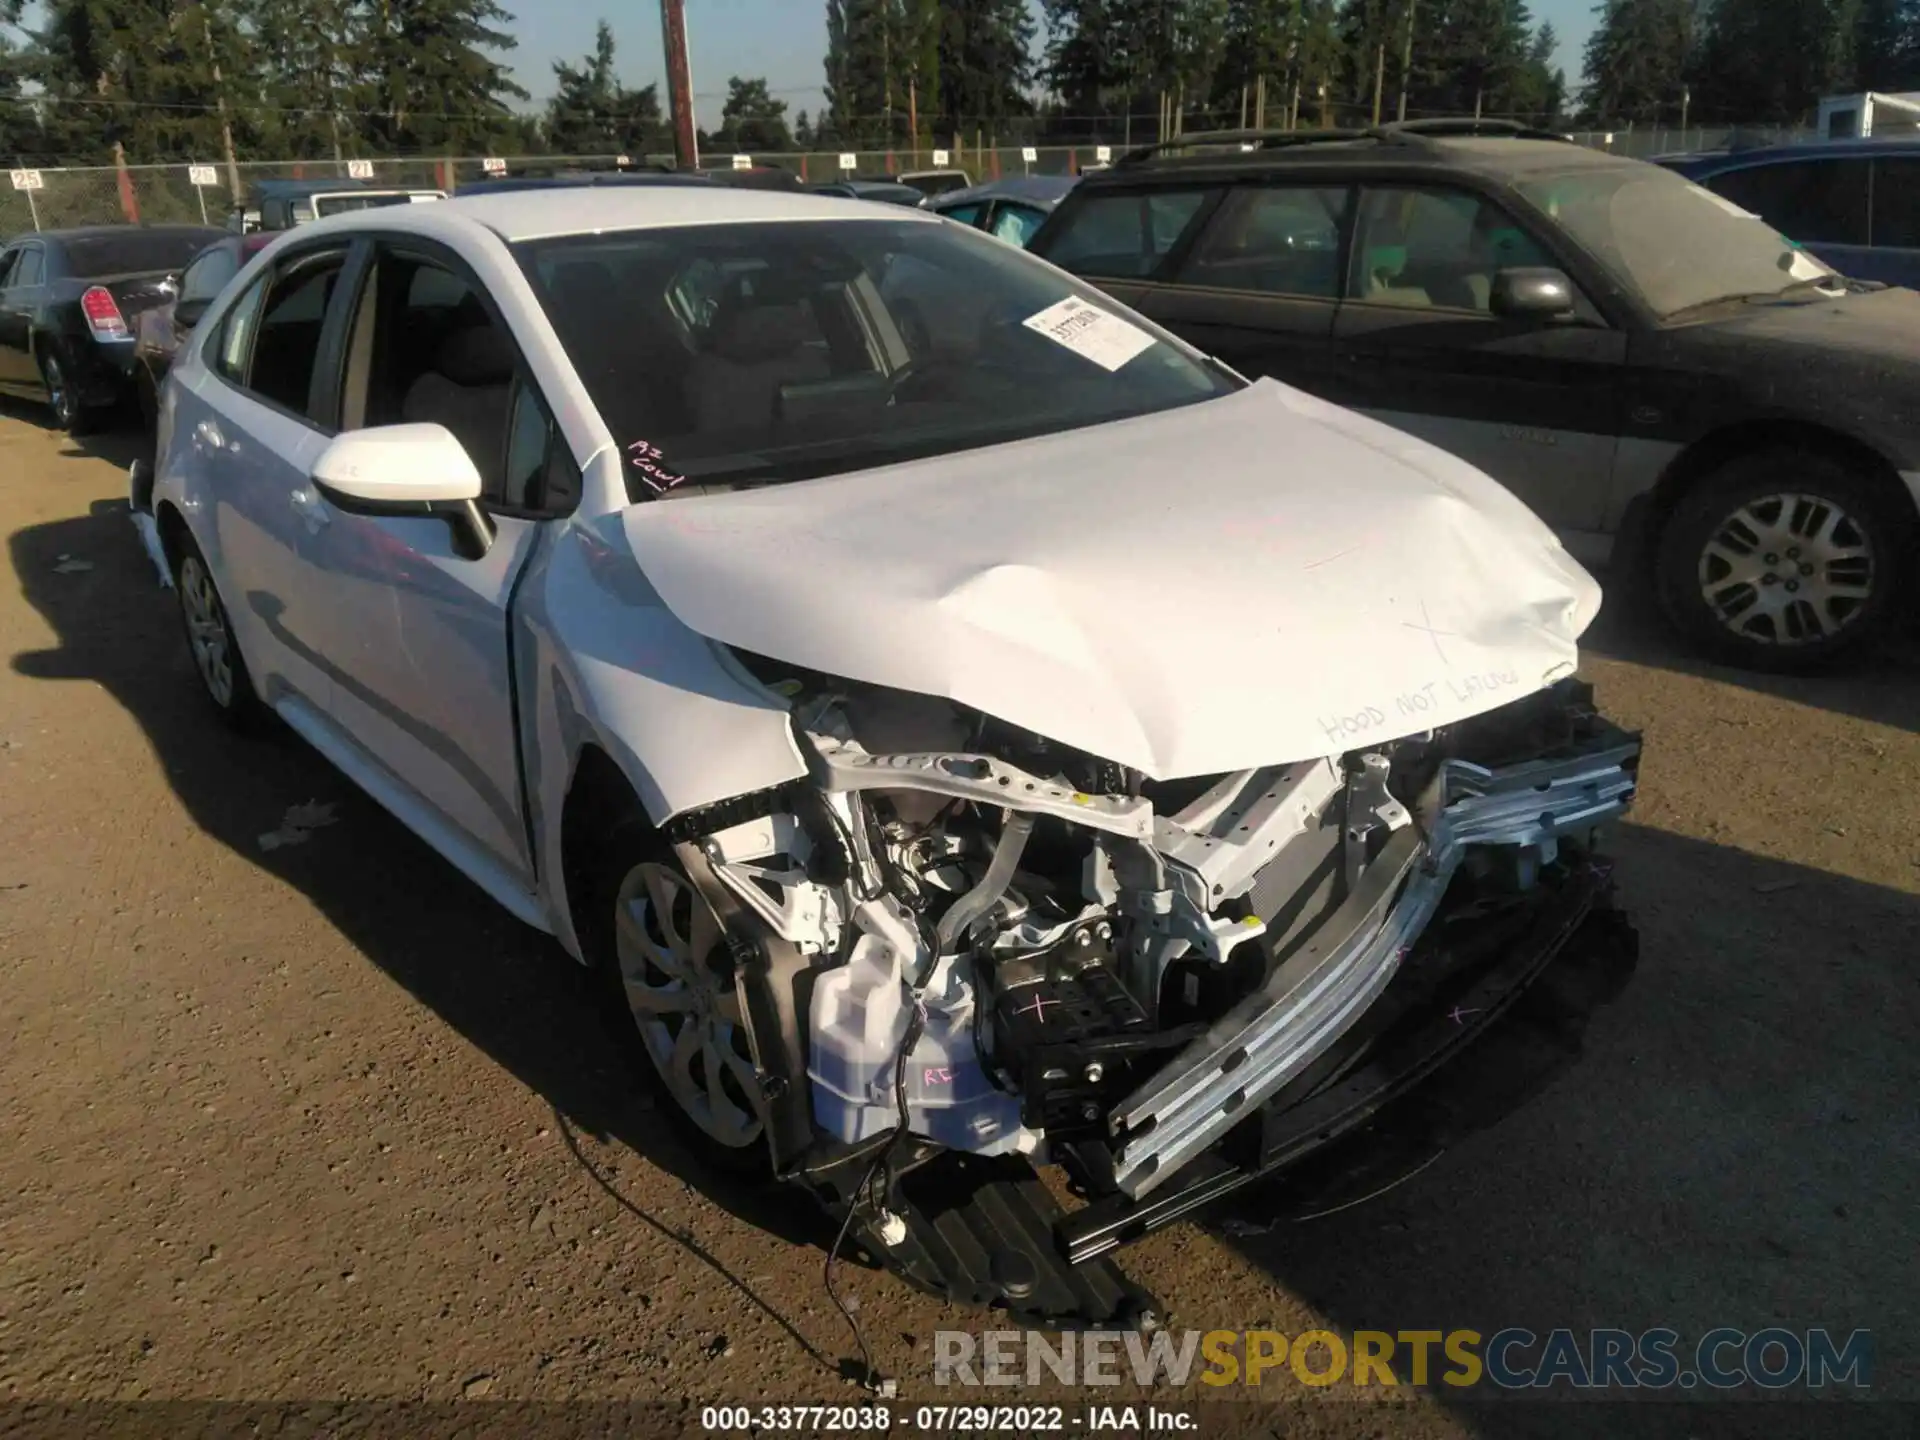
x: 1087, y: 330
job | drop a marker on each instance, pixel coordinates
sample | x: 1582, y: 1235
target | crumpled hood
x: 1251, y: 580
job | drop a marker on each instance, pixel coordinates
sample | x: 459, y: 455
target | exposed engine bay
x: 1008, y: 953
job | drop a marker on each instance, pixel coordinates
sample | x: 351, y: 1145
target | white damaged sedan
x: 969, y: 730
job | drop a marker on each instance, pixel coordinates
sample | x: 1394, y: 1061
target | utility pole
x: 1379, y: 78
x: 1406, y: 61
x: 686, y: 137
x: 220, y: 101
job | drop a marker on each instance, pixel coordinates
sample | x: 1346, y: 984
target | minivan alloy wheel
x: 207, y: 630
x: 689, y: 1017
x: 1787, y: 569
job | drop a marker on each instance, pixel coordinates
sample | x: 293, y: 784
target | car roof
x: 1039, y: 189
x: 575, y: 180
x: 277, y: 188
x: 587, y: 209
x: 100, y: 232
x: 1503, y: 154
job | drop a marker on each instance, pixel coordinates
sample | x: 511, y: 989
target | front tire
x: 210, y: 642
x: 675, y: 1009
x: 1784, y: 561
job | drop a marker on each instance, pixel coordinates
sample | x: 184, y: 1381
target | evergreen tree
x: 883, y: 64
x: 985, y: 55
x: 432, y: 72
x: 310, y: 92
x: 592, y: 113
x: 752, y: 121
x: 20, y: 137
x: 1637, y: 61
x: 139, y: 72
x: 1772, y: 60
x: 1886, y: 45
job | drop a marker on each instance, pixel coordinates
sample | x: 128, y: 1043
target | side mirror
x: 189, y: 313
x: 407, y: 470
x: 1532, y: 294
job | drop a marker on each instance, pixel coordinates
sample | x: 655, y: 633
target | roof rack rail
x: 1246, y: 139
x: 1404, y: 132
x: 1466, y: 126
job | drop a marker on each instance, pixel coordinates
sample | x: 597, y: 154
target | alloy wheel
x: 207, y: 633
x: 689, y: 1018
x: 59, y: 393
x: 1787, y: 570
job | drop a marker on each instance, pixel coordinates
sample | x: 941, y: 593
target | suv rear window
x: 1122, y: 236
x: 1818, y: 202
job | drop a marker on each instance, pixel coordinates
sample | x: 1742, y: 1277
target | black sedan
x: 68, y: 303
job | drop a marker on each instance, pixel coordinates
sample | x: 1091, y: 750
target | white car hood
x: 1247, y: 581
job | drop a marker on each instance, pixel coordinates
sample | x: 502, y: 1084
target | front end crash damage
x: 967, y: 953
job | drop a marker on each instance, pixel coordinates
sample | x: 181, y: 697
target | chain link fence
x: 166, y: 194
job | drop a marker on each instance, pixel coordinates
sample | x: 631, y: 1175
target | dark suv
x: 1665, y: 379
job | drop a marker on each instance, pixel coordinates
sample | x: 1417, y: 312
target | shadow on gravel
x: 1734, y: 1148
x: 1883, y: 687
x: 119, y: 442
x: 509, y: 990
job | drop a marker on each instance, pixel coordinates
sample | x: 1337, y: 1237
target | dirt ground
x: 315, y: 1122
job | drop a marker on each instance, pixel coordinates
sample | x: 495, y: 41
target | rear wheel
x: 69, y: 414
x: 216, y: 655
x: 1784, y: 560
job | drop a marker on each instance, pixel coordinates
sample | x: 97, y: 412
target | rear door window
x: 1124, y: 236
x: 286, y: 340
x: 1817, y: 202
x: 1896, y: 202
x: 32, y: 268
x: 1277, y: 240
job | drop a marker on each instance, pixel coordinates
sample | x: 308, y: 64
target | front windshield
x: 785, y: 350
x: 1679, y: 245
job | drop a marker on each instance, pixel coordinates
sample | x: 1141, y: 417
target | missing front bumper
x: 1575, y: 954
x: 1279, y: 1033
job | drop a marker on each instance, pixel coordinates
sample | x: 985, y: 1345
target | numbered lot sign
x: 849, y: 162
x: 27, y: 180
x: 941, y: 157
x: 203, y: 175
x: 359, y: 169
x: 1029, y: 155
x: 743, y: 162
x: 1103, y: 154
x: 494, y: 165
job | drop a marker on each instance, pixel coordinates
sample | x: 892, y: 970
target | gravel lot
x: 316, y: 1122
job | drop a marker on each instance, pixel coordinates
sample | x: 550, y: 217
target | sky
x: 782, y: 40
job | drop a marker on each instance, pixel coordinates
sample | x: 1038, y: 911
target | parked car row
x: 964, y: 727
x: 69, y: 302
x: 1663, y: 378
x: 1723, y: 419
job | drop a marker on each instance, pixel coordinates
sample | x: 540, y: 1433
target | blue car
x: 1853, y: 203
